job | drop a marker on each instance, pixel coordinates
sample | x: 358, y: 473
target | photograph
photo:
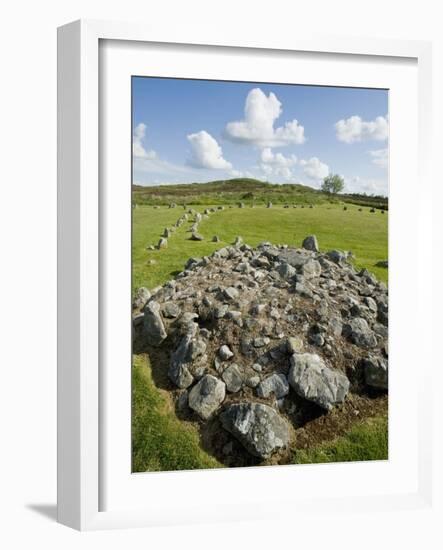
x: 259, y: 274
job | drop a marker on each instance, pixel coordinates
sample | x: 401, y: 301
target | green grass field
x: 160, y: 440
x: 365, y: 441
x: 364, y: 233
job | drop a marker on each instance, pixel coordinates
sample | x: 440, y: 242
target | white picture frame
x: 79, y: 260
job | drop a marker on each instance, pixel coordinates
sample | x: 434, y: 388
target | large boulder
x: 154, y: 328
x: 258, y: 427
x: 206, y: 396
x: 313, y: 380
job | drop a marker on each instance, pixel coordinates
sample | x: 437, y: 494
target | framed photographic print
x: 229, y: 212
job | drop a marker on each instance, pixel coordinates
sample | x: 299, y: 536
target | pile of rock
x: 253, y: 335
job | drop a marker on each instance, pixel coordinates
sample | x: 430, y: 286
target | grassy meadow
x: 364, y: 233
x: 160, y: 440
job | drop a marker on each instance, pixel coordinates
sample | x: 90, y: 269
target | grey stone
x: 359, y: 333
x: 220, y: 311
x: 296, y: 258
x: 238, y: 241
x: 371, y: 303
x: 317, y: 339
x: 230, y: 293
x: 162, y: 243
x: 294, y: 344
x: 257, y: 367
x: 258, y: 427
x: 225, y: 353
x: 196, y: 236
x: 233, y: 378
x: 180, y: 374
x: 336, y: 256
x: 253, y: 381
x: 171, y: 310
x: 206, y: 396
x: 138, y: 319
x: 141, y: 296
x: 189, y: 348
x: 154, y: 328
x: 335, y: 325
x: 376, y: 372
x: 311, y: 269
x: 313, y: 380
x: 286, y: 271
x: 382, y: 263
x: 215, y: 239
x: 275, y: 384
x: 310, y: 243
x: 260, y: 342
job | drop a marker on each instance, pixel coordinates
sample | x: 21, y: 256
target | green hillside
x: 246, y: 190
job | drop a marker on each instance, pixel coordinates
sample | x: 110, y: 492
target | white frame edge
x: 78, y: 253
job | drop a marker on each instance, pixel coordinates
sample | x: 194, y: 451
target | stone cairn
x: 253, y: 336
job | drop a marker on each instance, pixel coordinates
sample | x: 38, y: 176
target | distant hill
x: 247, y: 190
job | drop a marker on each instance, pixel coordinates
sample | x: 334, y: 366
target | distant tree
x: 333, y: 184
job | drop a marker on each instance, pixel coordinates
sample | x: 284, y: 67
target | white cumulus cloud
x: 277, y: 164
x: 257, y: 128
x: 370, y: 186
x: 314, y: 168
x: 138, y: 149
x: 206, y: 152
x: 380, y: 157
x: 355, y: 129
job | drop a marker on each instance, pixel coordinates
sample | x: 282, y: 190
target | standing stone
x: 153, y: 324
x: 269, y: 205
x: 258, y: 427
x: 206, y: 396
x: 311, y: 243
x: 162, y: 243
x: 215, y: 239
x: 196, y: 237
x: 313, y: 380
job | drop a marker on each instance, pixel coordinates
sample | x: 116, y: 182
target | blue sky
x: 196, y: 130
